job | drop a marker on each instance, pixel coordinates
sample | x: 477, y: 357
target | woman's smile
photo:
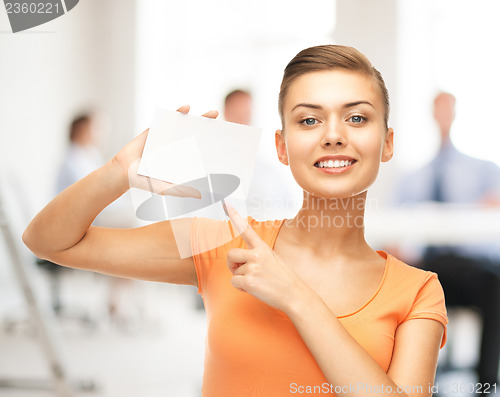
x: 335, y: 164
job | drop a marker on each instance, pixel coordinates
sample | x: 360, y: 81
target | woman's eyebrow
x: 307, y: 105
x: 351, y: 104
x: 318, y: 107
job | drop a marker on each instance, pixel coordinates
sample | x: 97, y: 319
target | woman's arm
x: 62, y: 231
x: 65, y: 220
x: 346, y: 364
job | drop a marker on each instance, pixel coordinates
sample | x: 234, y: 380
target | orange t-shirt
x: 253, y: 349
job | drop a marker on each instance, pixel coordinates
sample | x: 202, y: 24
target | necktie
x: 437, y: 193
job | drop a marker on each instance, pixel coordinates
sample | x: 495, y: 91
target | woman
x: 295, y: 306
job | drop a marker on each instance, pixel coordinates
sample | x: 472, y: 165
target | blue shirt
x: 463, y: 180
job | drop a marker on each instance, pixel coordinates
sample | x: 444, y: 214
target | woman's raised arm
x: 62, y: 231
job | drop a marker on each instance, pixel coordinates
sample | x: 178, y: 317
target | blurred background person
x: 469, y: 273
x: 452, y: 176
x: 269, y: 196
x: 81, y: 158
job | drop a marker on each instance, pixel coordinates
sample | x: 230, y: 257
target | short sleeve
x: 208, y: 238
x: 430, y: 304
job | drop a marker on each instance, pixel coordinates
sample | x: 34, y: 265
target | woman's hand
x: 259, y: 271
x: 129, y: 158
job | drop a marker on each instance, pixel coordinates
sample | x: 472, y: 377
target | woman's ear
x: 388, y: 149
x: 281, y: 147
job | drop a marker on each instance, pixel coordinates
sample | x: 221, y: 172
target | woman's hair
x: 328, y: 57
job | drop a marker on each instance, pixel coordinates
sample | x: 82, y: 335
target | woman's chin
x: 332, y: 194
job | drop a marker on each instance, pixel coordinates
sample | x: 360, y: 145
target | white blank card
x: 181, y: 148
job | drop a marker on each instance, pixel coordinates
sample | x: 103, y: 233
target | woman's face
x: 334, y: 134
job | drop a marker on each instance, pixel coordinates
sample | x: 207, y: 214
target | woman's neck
x: 331, y: 226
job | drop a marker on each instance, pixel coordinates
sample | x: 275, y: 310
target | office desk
x: 432, y: 224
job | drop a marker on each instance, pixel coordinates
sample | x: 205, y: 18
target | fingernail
x: 195, y: 194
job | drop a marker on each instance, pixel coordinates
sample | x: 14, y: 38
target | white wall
x: 372, y: 28
x: 82, y: 60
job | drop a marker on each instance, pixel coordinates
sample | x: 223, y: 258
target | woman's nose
x: 334, y: 135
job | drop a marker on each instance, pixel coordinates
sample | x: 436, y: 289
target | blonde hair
x: 328, y: 57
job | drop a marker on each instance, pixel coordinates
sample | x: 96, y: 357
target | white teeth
x: 334, y: 164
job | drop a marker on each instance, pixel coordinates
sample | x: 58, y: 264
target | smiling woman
x: 348, y: 122
x: 302, y: 301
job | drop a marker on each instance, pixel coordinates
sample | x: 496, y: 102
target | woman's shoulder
x: 404, y: 271
x: 408, y: 280
x: 265, y: 227
x: 416, y: 293
x: 221, y: 232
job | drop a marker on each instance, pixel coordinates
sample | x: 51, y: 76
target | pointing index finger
x: 249, y: 235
